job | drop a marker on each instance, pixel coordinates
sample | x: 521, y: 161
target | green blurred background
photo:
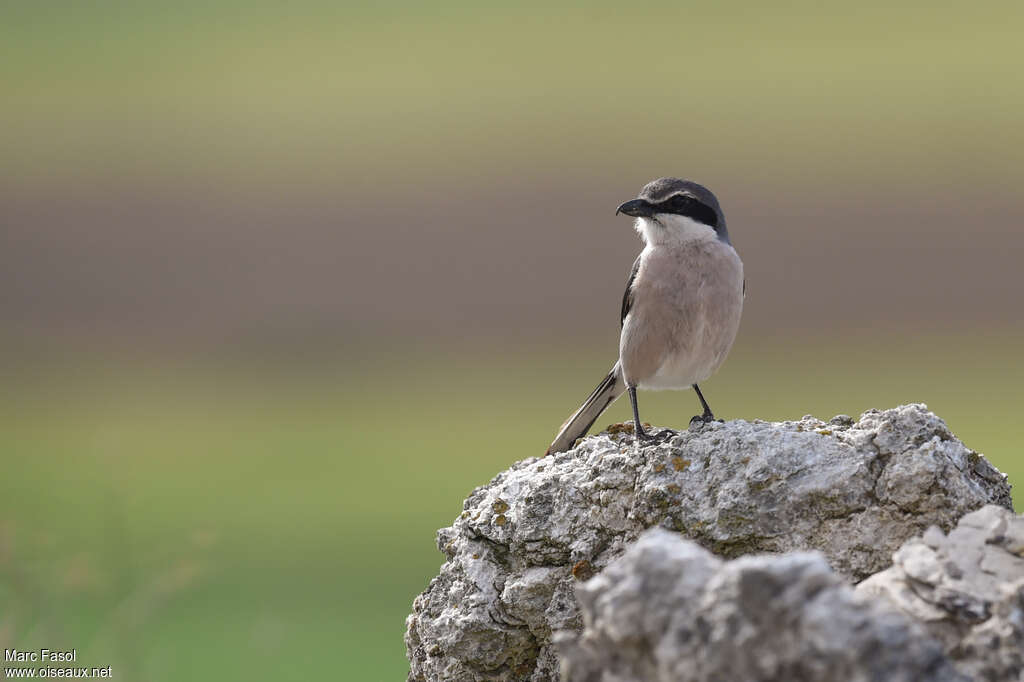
x: 280, y: 284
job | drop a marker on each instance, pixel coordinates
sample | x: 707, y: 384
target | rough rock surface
x: 852, y: 490
x: 669, y: 610
x: 968, y: 589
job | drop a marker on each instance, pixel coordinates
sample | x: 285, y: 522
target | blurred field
x: 233, y: 171
x: 224, y: 522
x: 363, y: 94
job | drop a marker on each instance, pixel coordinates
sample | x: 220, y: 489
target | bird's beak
x: 636, y: 208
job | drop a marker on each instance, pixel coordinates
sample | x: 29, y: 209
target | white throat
x: 669, y: 228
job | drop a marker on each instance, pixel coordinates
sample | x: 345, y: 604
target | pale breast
x: 687, y: 301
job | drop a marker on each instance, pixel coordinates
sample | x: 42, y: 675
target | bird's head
x: 670, y: 208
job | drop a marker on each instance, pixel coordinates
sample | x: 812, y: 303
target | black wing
x: 627, y: 297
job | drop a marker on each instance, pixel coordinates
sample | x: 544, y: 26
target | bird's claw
x: 702, y: 419
x: 654, y: 439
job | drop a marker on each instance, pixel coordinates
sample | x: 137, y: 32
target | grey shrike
x: 682, y: 305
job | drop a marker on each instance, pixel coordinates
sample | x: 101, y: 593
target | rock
x: 967, y: 588
x: 669, y: 610
x: 852, y: 490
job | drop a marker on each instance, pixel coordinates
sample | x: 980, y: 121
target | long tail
x: 576, y: 426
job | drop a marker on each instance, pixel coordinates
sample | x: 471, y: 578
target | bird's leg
x: 639, y: 434
x: 707, y: 416
x: 638, y: 428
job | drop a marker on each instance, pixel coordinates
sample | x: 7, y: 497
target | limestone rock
x: 669, y: 610
x: 852, y: 490
x: 968, y: 589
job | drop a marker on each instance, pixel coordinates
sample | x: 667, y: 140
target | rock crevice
x: 669, y: 610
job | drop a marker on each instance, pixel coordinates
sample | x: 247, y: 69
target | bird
x: 681, y: 308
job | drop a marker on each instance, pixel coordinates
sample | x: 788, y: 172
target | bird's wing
x: 627, y: 297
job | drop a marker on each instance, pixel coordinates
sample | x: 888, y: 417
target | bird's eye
x: 689, y: 206
x: 680, y: 204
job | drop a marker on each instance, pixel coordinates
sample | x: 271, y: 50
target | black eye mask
x: 684, y: 205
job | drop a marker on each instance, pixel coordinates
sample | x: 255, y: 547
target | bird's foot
x: 644, y: 438
x: 702, y: 419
